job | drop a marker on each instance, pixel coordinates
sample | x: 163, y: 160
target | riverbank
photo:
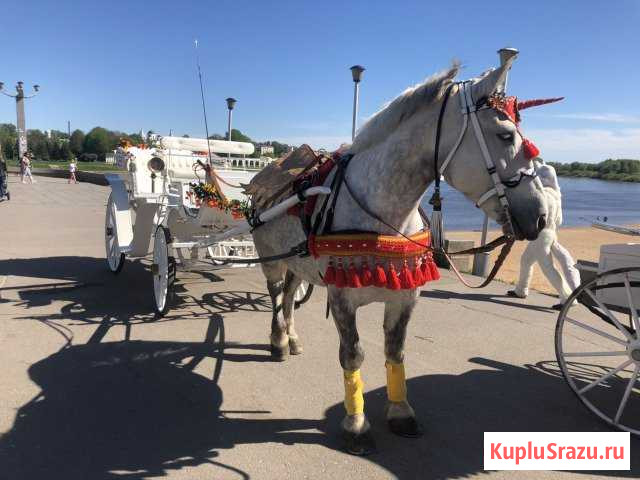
x: 583, y: 243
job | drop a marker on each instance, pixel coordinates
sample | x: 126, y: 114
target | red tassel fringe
x: 366, y: 277
x: 406, y: 278
x: 380, y: 277
x: 433, y: 268
x: 393, y: 282
x: 330, y: 274
x: 341, y: 276
x: 418, y: 279
x: 353, y: 278
x: 424, y: 270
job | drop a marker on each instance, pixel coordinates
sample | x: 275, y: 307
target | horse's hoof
x: 294, y: 347
x: 359, y: 443
x: 279, y: 354
x: 405, y: 427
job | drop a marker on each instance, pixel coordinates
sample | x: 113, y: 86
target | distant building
x: 251, y: 163
x: 266, y: 150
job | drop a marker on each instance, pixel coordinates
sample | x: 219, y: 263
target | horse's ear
x: 492, y: 82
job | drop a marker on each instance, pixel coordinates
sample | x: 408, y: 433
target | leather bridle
x: 469, y: 110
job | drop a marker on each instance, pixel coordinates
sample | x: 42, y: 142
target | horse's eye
x: 507, y: 137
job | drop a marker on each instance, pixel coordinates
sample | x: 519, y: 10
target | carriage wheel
x: 163, y: 270
x: 115, y: 259
x: 598, y: 346
x: 303, y: 294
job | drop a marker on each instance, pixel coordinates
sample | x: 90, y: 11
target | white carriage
x: 598, y: 342
x: 152, y: 199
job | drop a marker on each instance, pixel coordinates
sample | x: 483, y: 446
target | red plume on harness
x: 510, y: 106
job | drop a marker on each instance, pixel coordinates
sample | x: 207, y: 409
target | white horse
x: 391, y: 167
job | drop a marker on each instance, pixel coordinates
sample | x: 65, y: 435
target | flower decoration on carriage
x: 206, y: 194
x: 510, y: 106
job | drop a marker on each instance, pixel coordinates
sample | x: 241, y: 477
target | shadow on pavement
x: 457, y: 409
x: 134, y: 409
x: 138, y: 410
x: 484, y: 297
x: 92, y: 294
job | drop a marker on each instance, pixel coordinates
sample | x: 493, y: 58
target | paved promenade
x: 93, y: 388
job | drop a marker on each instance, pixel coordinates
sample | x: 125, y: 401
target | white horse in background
x: 391, y: 168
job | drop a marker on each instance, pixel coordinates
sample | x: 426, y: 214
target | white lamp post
x: 231, y: 102
x: 20, y: 121
x: 356, y: 72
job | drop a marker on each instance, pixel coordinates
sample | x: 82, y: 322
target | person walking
x: 73, y: 166
x: 26, y: 169
x: 546, y: 247
x: 4, y: 187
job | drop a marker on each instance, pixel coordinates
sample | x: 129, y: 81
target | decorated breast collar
x: 396, y: 262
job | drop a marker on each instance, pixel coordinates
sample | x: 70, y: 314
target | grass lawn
x: 82, y: 166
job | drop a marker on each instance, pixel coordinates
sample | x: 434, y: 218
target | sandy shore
x: 583, y: 243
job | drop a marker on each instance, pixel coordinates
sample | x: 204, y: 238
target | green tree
x: 99, y: 141
x: 238, y: 136
x: 64, y: 152
x: 76, y: 143
x: 8, y: 140
x: 38, y: 144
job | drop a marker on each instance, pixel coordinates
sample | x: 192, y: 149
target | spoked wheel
x: 163, y: 270
x: 303, y: 294
x: 598, y: 346
x: 115, y: 259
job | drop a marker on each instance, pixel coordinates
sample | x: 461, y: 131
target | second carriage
x: 597, y: 338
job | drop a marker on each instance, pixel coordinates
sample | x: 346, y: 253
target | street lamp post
x: 356, y: 72
x: 481, y: 260
x: 20, y: 121
x: 231, y: 102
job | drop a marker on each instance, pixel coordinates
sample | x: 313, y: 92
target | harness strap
x: 336, y: 185
x: 508, y: 243
x: 299, y: 250
x: 453, y: 151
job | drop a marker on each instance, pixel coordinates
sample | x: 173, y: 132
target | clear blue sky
x: 131, y: 65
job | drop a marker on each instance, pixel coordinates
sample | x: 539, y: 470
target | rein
x: 505, y: 240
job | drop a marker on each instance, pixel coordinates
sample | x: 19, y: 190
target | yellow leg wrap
x: 353, y: 387
x: 396, y: 384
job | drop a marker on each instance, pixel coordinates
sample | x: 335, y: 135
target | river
x: 581, y: 198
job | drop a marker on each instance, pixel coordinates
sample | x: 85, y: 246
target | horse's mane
x: 389, y: 117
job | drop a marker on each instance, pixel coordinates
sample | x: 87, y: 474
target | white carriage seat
x: 180, y: 165
x: 142, y: 183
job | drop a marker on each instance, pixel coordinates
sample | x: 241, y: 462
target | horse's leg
x: 400, y: 416
x: 275, y: 274
x: 355, y: 426
x: 291, y: 284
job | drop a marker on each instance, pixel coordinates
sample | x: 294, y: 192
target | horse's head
x: 484, y: 154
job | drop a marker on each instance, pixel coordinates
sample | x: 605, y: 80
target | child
x: 72, y: 171
x: 26, y: 169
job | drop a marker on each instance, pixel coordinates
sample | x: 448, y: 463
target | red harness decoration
x: 413, y: 256
x: 510, y: 107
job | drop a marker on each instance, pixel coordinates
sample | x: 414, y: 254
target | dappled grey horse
x: 392, y: 162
